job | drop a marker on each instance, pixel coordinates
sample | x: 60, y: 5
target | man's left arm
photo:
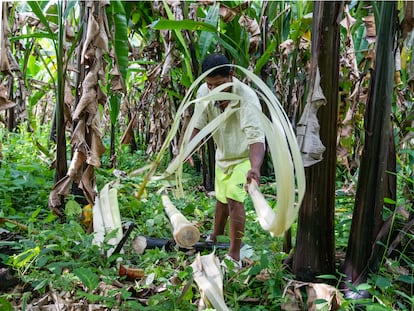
x: 256, y: 155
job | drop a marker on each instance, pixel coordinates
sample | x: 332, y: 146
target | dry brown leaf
x: 6, y: 105
x: 408, y: 21
x: 101, y: 40
x: 253, y: 29
x: 70, y: 34
x: 61, y: 188
x: 226, y: 13
x: 87, y: 100
x: 91, y: 79
x: 290, y: 303
x: 370, y: 26
x: 287, y: 47
x: 351, y: 61
x: 5, y: 102
x: 78, y: 135
x: 5, y: 45
x: 131, y: 274
x: 69, y: 101
x: 320, y: 291
x: 4, y: 65
x: 27, y: 18
x: 76, y: 165
x: 264, y: 275
x: 129, y: 132
x: 97, y: 149
x: 116, y: 84
x: 87, y: 184
x: 91, y: 33
x: 314, y: 293
x: 4, y: 61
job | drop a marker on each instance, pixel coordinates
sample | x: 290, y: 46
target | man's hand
x: 253, y: 173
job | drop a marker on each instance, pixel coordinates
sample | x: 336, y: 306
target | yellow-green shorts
x: 231, y: 185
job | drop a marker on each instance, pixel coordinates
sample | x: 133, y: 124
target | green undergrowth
x: 51, y: 256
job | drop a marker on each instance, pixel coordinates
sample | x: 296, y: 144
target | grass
x: 55, y: 259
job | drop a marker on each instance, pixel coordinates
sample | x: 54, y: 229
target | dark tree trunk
x: 208, y: 164
x: 11, y: 115
x: 367, y: 217
x: 315, y: 247
x: 112, y: 146
x: 61, y: 156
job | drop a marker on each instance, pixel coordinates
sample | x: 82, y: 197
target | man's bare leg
x: 237, y: 224
x: 221, y: 214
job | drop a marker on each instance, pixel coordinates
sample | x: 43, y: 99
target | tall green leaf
x: 35, y: 6
x: 165, y: 24
x: 206, y: 38
x: 121, y: 44
x: 265, y: 57
x: 114, y: 107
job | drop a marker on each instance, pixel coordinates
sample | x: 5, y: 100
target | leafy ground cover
x: 54, y: 264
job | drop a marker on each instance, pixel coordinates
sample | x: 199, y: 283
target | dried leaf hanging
x: 5, y: 103
x: 369, y: 22
x: 253, y: 29
x: 4, y: 43
x: 91, y: 33
x: 308, y: 126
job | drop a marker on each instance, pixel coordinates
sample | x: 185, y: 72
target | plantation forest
x: 96, y: 161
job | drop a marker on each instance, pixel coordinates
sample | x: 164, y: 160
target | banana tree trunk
x: 367, y: 217
x: 315, y: 247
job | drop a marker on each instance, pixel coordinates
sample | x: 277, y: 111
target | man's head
x: 214, y: 60
x: 218, y: 76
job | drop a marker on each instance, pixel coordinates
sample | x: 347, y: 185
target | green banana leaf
x: 121, y: 45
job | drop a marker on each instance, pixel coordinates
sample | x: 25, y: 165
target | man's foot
x: 230, y: 263
x: 211, y: 239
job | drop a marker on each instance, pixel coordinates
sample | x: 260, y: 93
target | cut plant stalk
x: 208, y: 276
x: 184, y: 232
x: 107, y: 218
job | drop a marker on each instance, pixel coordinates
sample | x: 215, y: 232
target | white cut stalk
x: 116, y: 214
x: 185, y: 234
x: 106, y: 217
x: 98, y: 224
x: 207, y: 274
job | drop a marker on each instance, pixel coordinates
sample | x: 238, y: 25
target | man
x: 239, y: 150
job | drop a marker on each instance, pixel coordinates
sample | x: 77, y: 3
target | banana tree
x: 86, y: 139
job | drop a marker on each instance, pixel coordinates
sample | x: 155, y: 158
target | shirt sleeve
x: 250, y: 119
